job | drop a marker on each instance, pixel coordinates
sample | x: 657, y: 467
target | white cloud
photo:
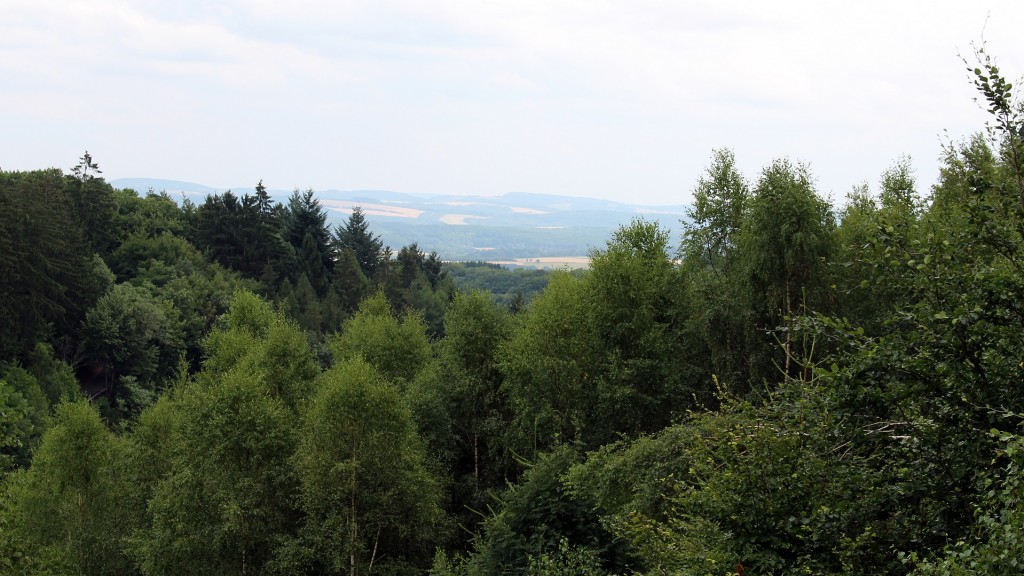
x: 565, y: 96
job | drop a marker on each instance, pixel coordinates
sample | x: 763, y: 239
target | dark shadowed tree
x: 355, y: 235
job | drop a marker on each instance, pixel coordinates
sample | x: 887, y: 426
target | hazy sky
x: 621, y: 100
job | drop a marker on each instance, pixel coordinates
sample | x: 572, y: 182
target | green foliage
x: 398, y: 348
x: 55, y: 377
x: 788, y: 396
x: 416, y: 281
x: 786, y: 244
x: 17, y: 429
x: 147, y: 216
x: 996, y: 545
x: 719, y: 208
x: 634, y: 304
x: 24, y: 408
x: 787, y: 239
x: 150, y: 456
x: 227, y: 499
x: 431, y: 402
x: 539, y: 526
x: 66, y: 507
x: 348, y: 287
x: 306, y: 230
x: 567, y: 560
x: 506, y: 285
x: 44, y: 285
x: 245, y: 234
x: 355, y: 236
x: 870, y: 233
x: 604, y: 355
x: 93, y: 201
x: 130, y: 334
x: 255, y: 339
x: 552, y: 363
x: 1007, y: 113
x: 475, y: 330
x: 712, y: 270
x: 171, y: 269
x: 469, y: 380
x: 780, y: 489
x: 367, y: 496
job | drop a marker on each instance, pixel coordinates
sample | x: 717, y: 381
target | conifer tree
x: 355, y: 235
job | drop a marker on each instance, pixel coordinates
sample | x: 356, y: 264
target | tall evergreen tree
x: 355, y: 235
x: 93, y: 200
x: 44, y: 264
x: 307, y: 232
x: 348, y: 285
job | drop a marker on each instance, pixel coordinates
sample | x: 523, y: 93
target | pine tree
x: 306, y: 217
x: 93, y: 200
x: 355, y: 235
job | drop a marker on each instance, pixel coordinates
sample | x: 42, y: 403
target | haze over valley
x: 538, y: 230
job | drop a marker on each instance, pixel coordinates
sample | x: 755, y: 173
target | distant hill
x: 513, y: 225
x: 173, y: 187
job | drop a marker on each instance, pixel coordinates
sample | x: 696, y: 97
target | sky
x: 621, y: 100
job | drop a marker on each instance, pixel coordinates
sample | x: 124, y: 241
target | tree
x: 66, y: 506
x: 355, y: 235
x: 18, y: 428
x: 633, y: 298
x: 538, y: 521
x: 44, y: 284
x: 940, y: 374
x: 997, y: 540
x: 786, y: 244
x: 1007, y: 115
x: 552, y: 364
x: 172, y: 270
x: 226, y: 503
x: 246, y: 234
x: 129, y: 333
x: 719, y: 207
x: 712, y: 271
x: 307, y: 232
x: 311, y: 265
x: 261, y: 342
x: 475, y: 331
x: 150, y: 215
x: 348, y: 287
x: 223, y: 500
x: 365, y: 491
x: 868, y: 228
x: 93, y: 200
x: 398, y: 348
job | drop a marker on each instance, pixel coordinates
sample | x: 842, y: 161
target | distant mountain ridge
x: 513, y: 225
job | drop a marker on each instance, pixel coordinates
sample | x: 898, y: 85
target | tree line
x: 793, y: 387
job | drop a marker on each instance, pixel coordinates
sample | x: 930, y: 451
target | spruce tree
x: 355, y: 235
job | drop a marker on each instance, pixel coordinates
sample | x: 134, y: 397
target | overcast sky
x: 621, y: 100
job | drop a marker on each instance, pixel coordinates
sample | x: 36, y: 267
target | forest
x: 789, y: 387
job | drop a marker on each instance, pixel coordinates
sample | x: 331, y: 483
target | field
x: 547, y: 262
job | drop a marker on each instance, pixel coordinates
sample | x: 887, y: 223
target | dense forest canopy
x: 234, y: 387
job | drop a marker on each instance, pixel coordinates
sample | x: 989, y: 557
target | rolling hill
x: 516, y: 225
